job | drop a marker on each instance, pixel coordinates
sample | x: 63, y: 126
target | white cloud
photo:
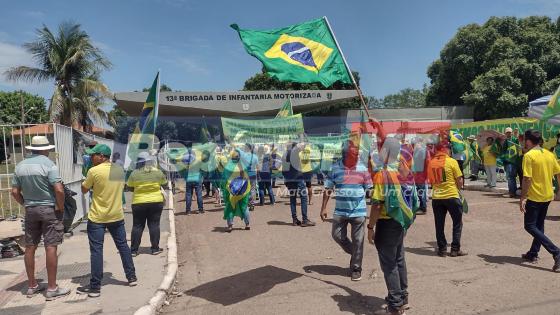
x: 14, y: 55
x: 192, y: 66
x: 34, y: 14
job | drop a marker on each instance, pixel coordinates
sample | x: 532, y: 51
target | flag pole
x: 156, y: 107
x: 361, y: 96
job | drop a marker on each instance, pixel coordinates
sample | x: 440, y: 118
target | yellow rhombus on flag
x: 286, y: 110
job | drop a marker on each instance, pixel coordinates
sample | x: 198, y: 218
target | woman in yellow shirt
x: 489, y: 157
x: 147, y: 202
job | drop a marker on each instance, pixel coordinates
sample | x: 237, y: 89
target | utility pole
x: 22, y: 109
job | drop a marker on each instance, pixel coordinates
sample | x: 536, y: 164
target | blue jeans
x: 535, y: 214
x: 197, y: 186
x: 265, y: 186
x: 96, y: 236
x: 298, y: 188
x: 245, y: 217
x: 511, y: 174
x: 422, y: 190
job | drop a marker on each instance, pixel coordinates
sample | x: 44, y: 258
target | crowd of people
x: 394, y: 178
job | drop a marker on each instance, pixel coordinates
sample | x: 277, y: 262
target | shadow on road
x: 240, y: 287
x: 553, y: 217
x: 502, y: 260
x: 327, y: 270
x: 278, y: 223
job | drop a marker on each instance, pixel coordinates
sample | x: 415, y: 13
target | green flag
x: 303, y: 53
x: 553, y: 107
x: 286, y: 110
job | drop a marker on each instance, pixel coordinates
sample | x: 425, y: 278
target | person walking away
x: 306, y: 169
x: 236, y: 189
x: 37, y: 186
x: 147, y: 202
x: 474, y: 152
x: 291, y: 170
x: 350, y: 182
x: 489, y: 158
x: 105, y: 181
x: 510, y: 156
x: 539, y: 167
x: 193, y: 179
x: 420, y: 161
x: 446, y: 179
x: 265, y: 177
x: 220, y: 161
x: 251, y: 161
x: 392, y: 212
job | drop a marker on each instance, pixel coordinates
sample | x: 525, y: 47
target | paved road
x: 279, y: 269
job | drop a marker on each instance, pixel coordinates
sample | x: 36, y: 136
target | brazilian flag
x: 303, y: 53
x: 553, y: 107
x: 286, y: 110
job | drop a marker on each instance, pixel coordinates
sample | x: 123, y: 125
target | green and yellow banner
x: 262, y: 130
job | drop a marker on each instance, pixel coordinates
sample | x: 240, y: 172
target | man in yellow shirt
x: 105, y: 181
x: 539, y: 167
x: 446, y: 179
x: 489, y: 158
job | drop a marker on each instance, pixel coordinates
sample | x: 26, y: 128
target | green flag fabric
x: 303, y: 53
x: 286, y: 110
x: 553, y: 107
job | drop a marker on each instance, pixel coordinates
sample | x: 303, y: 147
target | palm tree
x: 73, y: 62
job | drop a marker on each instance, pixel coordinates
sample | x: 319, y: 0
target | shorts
x: 43, y: 221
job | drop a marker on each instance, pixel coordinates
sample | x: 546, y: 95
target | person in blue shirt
x: 350, y: 181
x: 193, y: 178
x: 250, y: 161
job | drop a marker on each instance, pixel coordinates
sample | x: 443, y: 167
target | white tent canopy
x: 537, y: 108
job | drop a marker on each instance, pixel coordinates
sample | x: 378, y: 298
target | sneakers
x: 247, y: 228
x: 307, y: 223
x: 421, y: 212
x: 457, y: 253
x: 91, y: 292
x: 201, y: 211
x: 132, y: 282
x: 442, y: 252
x: 59, y: 292
x: 530, y: 258
x: 556, y: 267
x: 296, y: 222
x: 157, y: 251
x: 229, y: 228
x: 32, y: 291
x: 134, y: 253
x: 356, y: 275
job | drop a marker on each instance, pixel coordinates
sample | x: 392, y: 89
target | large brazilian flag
x: 303, y: 53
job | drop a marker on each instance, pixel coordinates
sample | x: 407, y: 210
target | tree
x: 497, y: 67
x: 70, y: 59
x: 10, y: 108
x: 403, y: 99
x: 263, y: 82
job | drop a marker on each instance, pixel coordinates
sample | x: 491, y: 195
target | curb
x: 158, y: 299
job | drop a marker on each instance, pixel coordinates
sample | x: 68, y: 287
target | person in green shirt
x: 510, y: 153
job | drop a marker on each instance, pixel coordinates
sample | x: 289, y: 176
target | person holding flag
x: 474, y: 153
x: 394, y: 204
x: 236, y: 189
x: 511, y: 158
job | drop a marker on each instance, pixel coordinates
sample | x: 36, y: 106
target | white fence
x: 69, y: 145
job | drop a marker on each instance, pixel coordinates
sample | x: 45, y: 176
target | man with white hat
x: 38, y: 187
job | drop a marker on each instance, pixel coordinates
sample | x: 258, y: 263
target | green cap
x: 99, y: 149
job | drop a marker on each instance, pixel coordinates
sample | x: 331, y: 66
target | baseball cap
x: 99, y: 148
x: 508, y: 129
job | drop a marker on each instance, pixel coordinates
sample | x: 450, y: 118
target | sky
x: 390, y: 42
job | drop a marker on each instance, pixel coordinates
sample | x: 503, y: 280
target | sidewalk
x: 73, y: 271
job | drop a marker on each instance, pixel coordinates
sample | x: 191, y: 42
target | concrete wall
x: 456, y: 114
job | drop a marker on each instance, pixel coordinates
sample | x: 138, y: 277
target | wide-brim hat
x: 39, y: 143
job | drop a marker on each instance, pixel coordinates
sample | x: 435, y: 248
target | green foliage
x: 405, y: 98
x: 263, y: 82
x: 497, y: 67
x: 10, y: 108
x: 162, y: 88
x: 69, y: 58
